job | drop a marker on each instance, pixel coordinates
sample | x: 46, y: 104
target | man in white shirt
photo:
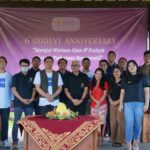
x: 5, y: 101
x: 48, y: 84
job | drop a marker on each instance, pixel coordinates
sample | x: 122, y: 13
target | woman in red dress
x: 98, y: 93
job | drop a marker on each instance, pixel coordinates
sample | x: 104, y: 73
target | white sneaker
x: 5, y: 144
x: 135, y: 147
x: 0, y: 143
x: 128, y: 147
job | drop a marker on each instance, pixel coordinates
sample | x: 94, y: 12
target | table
x: 41, y: 133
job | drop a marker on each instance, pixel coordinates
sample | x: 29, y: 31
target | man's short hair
x: 48, y: 57
x: 26, y: 61
x: 2, y: 57
x: 112, y: 52
x: 146, y: 52
x: 36, y: 57
x: 63, y: 60
x: 105, y: 61
x: 122, y: 58
x: 85, y: 58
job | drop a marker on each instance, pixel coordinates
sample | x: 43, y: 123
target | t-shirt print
x: 2, y: 82
x: 49, y: 81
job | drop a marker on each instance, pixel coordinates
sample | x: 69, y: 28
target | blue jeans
x: 17, y: 116
x: 133, y: 113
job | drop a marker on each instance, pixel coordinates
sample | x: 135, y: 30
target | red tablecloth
x: 59, y: 134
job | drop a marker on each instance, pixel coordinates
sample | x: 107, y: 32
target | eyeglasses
x: 74, y: 65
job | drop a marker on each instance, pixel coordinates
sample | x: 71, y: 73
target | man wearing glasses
x: 76, y: 89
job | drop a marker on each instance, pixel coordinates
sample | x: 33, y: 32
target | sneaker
x: 128, y: 147
x: 107, y: 135
x: 135, y: 147
x: 1, y: 144
x: 15, y: 145
x: 5, y: 144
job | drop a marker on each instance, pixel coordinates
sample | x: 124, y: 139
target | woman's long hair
x: 113, y: 80
x: 94, y: 81
x: 128, y: 77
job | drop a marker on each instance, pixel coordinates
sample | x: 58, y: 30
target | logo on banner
x: 65, y: 24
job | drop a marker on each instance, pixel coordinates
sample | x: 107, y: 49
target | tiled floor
x: 106, y: 145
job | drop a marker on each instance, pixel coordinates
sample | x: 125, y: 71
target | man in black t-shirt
x: 62, y: 64
x: 76, y: 89
x: 36, y: 61
x: 24, y: 92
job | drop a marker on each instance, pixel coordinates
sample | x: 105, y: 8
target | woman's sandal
x: 117, y: 144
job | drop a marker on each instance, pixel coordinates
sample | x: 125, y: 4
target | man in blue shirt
x: 5, y: 101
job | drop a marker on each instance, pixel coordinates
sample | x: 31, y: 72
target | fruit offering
x: 61, y: 112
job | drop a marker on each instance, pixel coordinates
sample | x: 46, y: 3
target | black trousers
x: 4, y: 113
x: 44, y: 109
x: 36, y: 107
x: 107, y: 129
x: 80, y: 108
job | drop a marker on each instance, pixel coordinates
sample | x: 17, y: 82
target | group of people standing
x: 117, y: 93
